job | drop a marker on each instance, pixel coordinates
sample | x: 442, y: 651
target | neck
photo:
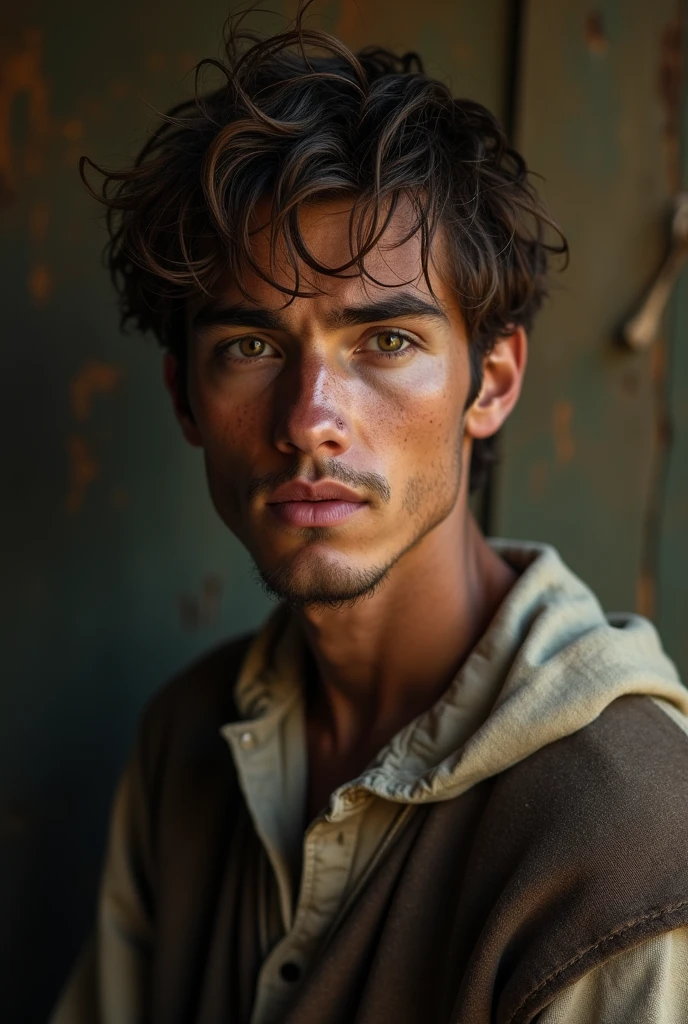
x: 380, y: 663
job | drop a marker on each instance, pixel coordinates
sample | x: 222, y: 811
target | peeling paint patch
x: 595, y: 35
x: 83, y: 470
x: 564, y: 444
x: 21, y: 76
x: 93, y: 379
x: 645, y: 597
x: 670, y: 91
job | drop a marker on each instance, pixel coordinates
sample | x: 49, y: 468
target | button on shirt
x: 330, y: 859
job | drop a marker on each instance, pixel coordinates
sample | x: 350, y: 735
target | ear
x: 503, y: 371
x: 175, y: 385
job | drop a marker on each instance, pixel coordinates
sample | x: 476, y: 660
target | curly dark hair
x: 301, y: 118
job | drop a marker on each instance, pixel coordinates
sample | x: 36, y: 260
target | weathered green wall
x: 115, y: 570
x: 586, y: 463
x: 671, y: 550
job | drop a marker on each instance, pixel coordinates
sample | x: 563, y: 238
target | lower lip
x: 315, y: 513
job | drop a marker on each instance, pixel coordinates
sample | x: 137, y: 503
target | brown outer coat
x: 484, y: 909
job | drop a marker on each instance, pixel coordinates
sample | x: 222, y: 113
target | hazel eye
x: 390, y: 342
x: 249, y: 347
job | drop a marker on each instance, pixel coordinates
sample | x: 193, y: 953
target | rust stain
x: 463, y: 52
x: 212, y: 593
x: 670, y: 90
x: 564, y: 444
x: 73, y: 130
x: 83, y: 470
x: 595, y: 36
x: 645, y: 595
x: 349, y: 24
x: 202, y: 610
x: 93, y: 379
x: 40, y: 283
x: 21, y: 76
x: 670, y: 87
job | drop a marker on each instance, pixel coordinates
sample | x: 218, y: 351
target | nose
x: 309, y: 414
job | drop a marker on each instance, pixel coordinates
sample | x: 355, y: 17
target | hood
x: 549, y: 664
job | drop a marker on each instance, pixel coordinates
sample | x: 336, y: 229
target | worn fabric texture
x: 534, y: 848
x: 492, y: 903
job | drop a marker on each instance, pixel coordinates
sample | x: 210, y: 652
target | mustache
x: 326, y: 469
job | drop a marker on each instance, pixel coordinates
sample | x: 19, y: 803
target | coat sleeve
x: 110, y: 982
x: 647, y: 983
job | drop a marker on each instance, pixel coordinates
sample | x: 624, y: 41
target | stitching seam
x: 588, y: 949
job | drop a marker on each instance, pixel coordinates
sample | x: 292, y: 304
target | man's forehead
x: 393, y: 266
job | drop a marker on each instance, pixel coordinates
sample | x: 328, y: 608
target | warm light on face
x: 362, y: 385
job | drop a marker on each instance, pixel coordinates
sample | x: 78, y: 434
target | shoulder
x: 593, y: 834
x: 186, y: 714
x: 634, y: 754
x: 608, y: 803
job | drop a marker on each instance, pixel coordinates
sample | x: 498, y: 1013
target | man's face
x: 363, y: 385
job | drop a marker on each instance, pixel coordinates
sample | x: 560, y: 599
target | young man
x: 438, y: 786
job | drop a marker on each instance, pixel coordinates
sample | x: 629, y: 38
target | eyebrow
x: 238, y: 316
x: 391, y: 308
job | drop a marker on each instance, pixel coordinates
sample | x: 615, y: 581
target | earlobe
x: 503, y: 370
x: 174, y: 385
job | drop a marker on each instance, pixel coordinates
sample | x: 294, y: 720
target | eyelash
x: 223, y: 350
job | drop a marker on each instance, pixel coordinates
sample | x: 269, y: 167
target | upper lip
x: 323, y: 490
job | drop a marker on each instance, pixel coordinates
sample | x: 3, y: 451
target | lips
x: 323, y: 503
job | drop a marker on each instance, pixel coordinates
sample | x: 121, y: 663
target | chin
x: 317, y: 579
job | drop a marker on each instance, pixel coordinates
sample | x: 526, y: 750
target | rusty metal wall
x: 595, y: 458
x: 670, y: 538
x: 115, y: 569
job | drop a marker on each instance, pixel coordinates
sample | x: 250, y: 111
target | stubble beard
x: 317, y: 584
